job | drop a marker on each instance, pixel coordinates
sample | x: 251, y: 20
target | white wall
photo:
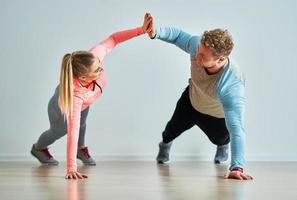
x: 145, y: 78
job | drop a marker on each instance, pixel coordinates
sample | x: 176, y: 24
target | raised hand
x: 148, y: 25
x: 146, y: 22
x: 151, y: 31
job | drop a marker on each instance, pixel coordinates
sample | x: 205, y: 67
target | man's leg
x: 181, y: 121
x: 217, y: 132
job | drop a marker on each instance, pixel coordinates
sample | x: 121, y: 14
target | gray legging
x: 58, y: 127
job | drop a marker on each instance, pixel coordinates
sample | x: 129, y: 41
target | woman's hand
x: 75, y: 175
x: 148, y: 25
x: 237, y: 175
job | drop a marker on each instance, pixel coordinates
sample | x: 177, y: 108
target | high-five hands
x: 148, y: 25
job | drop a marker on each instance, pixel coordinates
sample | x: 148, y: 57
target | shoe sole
x: 162, y: 162
x: 89, y: 164
x: 219, y: 162
x: 85, y: 163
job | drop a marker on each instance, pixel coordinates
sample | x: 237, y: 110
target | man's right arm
x: 175, y: 36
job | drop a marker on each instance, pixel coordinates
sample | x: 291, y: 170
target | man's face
x: 205, y: 57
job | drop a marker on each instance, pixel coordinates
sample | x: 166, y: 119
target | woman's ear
x: 82, y: 78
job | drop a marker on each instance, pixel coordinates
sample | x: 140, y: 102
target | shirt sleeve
x: 181, y: 39
x: 233, y: 104
x: 104, y: 47
x: 73, y: 125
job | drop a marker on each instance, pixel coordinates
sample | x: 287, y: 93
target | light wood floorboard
x: 113, y: 180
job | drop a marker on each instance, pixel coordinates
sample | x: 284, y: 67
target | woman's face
x: 95, y: 70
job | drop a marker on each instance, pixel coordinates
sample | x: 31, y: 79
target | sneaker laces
x: 86, y: 152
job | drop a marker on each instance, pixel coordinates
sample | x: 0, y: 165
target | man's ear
x: 222, y: 59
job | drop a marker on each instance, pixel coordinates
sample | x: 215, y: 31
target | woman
x: 82, y: 81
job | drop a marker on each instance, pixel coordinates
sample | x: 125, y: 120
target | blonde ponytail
x: 66, y: 86
x: 73, y: 65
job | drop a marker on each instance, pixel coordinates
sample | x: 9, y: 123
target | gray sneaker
x: 163, y: 155
x: 221, y: 154
x: 44, y: 156
x: 84, y: 156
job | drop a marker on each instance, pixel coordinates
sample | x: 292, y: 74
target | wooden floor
x: 147, y: 180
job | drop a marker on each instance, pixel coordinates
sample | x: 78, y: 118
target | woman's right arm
x: 104, y: 47
x: 73, y: 126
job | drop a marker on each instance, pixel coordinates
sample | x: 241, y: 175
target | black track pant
x: 185, y: 117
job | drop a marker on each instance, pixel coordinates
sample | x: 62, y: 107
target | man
x: 213, y: 100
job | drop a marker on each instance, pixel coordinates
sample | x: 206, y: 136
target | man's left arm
x: 233, y: 102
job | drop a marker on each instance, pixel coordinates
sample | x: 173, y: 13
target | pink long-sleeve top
x: 83, y: 96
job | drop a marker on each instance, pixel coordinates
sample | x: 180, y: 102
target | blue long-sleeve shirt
x: 223, y: 96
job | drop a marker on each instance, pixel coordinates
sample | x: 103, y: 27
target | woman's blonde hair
x: 73, y: 65
x: 219, y: 40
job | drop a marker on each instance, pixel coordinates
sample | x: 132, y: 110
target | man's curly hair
x: 219, y: 41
